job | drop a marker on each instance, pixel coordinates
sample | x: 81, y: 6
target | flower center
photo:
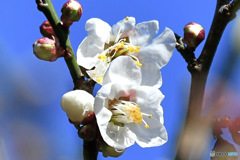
x: 124, y: 112
x: 120, y: 47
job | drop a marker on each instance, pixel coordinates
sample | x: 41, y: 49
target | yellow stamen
x: 102, y: 75
x: 135, y: 114
x: 99, y: 80
x: 94, y: 74
x: 131, y: 49
x: 124, y: 39
x: 102, y: 57
x: 146, y: 126
x: 138, y: 63
x: 137, y: 49
x: 122, y: 44
x: 150, y: 116
x: 127, y: 18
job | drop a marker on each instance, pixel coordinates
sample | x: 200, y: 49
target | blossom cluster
x: 126, y: 60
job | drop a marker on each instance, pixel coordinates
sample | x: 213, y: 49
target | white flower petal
x: 98, y: 72
x: 123, y: 69
x: 161, y: 48
x: 98, y: 34
x: 151, y: 74
x: 155, y: 135
x: 149, y: 99
x: 98, y: 30
x: 123, y: 27
x: 87, y: 53
x: 144, y: 32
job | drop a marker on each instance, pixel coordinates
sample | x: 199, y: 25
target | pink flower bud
x: 71, y: 12
x: 194, y: 34
x: 45, y: 49
x: 234, y: 128
x: 46, y: 29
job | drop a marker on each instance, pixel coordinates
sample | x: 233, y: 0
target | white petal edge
x: 144, y: 32
x: 87, y: 53
x: 98, y: 30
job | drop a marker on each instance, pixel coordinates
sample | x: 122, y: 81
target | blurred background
x: 32, y: 124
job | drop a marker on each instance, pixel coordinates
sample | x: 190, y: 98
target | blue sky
x: 30, y: 89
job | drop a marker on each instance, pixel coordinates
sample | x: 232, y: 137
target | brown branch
x: 195, y: 126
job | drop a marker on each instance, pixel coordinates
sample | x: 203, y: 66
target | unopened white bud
x: 77, y: 104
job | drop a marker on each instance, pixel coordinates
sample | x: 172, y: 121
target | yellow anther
x: 102, y: 57
x: 127, y: 18
x: 150, y: 116
x: 146, y: 126
x: 94, y: 74
x: 131, y: 49
x: 124, y: 39
x: 136, y: 105
x: 99, y: 80
x: 122, y: 44
x: 137, y: 49
x: 135, y: 114
x: 102, y: 75
x: 138, y: 63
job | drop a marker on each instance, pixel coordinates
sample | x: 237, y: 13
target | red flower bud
x: 234, y: 128
x: 194, y: 34
x: 46, y: 29
x: 71, y: 12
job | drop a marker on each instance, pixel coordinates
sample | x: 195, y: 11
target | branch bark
x: 194, y: 130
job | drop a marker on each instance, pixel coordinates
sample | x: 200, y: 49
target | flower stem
x: 195, y: 126
x: 90, y: 151
x: 62, y: 34
x: 90, y: 147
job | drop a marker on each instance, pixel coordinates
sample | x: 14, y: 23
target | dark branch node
x: 188, y: 55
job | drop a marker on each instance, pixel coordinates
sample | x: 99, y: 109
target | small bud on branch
x: 46, y: 49
x: 194, y: 34
x: 46, y: 29
x: 71, y: 12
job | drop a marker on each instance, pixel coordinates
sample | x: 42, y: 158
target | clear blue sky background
x: 32, y: 124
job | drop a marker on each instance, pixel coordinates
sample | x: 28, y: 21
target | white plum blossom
x: 104, y: 43
x: 127, y: 112
x: 77, y: 104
